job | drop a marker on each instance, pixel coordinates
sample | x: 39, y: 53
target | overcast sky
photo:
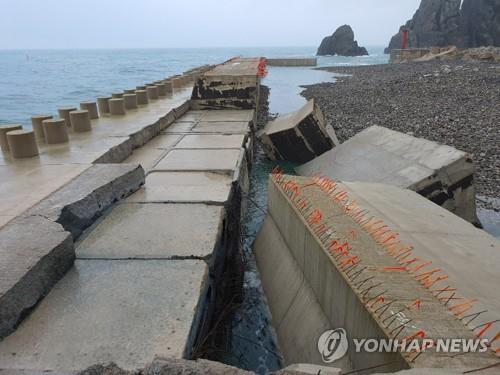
x: 195, y: 23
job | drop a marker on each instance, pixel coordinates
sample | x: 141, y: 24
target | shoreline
x: 453, y: 103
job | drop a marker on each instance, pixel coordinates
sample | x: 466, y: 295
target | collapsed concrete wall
x: 380, y: 262
x: 232, y: 85
x: 440, y: 173
x: 298, y: 136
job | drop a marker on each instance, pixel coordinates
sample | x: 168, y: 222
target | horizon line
x: 157, y: 48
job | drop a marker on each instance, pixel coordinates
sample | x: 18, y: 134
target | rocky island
x: 341, y: 43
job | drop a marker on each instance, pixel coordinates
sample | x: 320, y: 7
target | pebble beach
x: 454, y: 103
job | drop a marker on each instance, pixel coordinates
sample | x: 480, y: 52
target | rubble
x: 298, y: 136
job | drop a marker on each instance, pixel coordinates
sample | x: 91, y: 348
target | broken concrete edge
x: 122, y: 151
x: 298, y: 136
x: 166, y: 366
x: 38, y: 246
x: 81, y: 201
x: 36, y: 253
x: 160, y: 366
x: 225, y: 278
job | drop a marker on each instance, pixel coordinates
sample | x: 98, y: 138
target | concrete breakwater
x: 151, y: 274
x: 293, y: 61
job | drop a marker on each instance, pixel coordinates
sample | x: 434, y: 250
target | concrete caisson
x: 92, y: 108
x: 55, y: 131
x: 130, y: 101
x: 36, y: 122
x: 142, y: 97
x: 64, y: 113
x: 103, y: 104
x: 141, y: 87
x: 80, y: 121
x: 153, y: 92
x: 117, y: 106
x: 129, y: 91
x: 22, y: 143
x: 4, y: 129
x: 117, y: 95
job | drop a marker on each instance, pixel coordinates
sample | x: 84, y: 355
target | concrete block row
x: 23, y: 143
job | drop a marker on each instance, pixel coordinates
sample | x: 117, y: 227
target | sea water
x: 40, y: 81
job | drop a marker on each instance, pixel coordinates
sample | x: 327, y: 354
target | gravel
x: 454, y: 103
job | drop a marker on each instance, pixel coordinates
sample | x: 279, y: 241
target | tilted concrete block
x: 440, y: 173
x: 298, y: 136
x: 329, y: 250
x: 35, y: 253
x: 81, y: 201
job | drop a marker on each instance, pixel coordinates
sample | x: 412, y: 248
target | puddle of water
x: 285, y: 84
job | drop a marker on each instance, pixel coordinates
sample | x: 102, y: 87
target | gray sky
x: 195, y: 23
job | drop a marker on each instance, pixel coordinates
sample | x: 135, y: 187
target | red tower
x: 405, y: 40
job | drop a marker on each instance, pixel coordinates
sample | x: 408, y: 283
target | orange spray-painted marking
x: 487, y: 326
x: 417, y: 303
x: 394, y: 269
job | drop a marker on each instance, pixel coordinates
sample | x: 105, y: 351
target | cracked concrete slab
x: 229, y: 127
x: 219, y: 141
x: 179, y: 127
x: 16, y: 184
x: 228, y: 115
x: 184, y: 187
x: 85, y: 198
x: 127, y: 312
x: 200, y: 160
x: 146, y: 157
x: 163, y: 141
x: 37, y: 247
x: 159, y: 231
x: 34, y: 254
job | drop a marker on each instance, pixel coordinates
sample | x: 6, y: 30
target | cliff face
x: 443, y: 22
x: 341, y: 43
x: 481, y: 23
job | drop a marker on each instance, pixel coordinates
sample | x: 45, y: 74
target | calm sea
x: 40, y: 81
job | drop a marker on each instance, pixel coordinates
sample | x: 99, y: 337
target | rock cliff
x: 341, y: 43
x: 440, y: 23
